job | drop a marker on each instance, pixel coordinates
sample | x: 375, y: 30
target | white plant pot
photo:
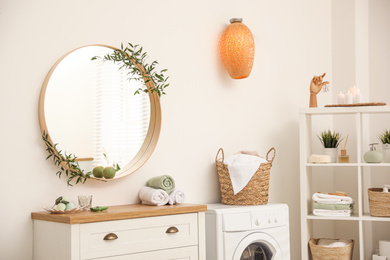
x: 386, y: 153
x: 332, y: 152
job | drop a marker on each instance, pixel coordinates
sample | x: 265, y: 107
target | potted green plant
x: 385, y: 139
x: 330, y: 142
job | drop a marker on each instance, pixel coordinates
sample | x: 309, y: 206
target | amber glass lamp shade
x: 237, y: 49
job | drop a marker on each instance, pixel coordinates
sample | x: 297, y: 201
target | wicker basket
x: 254, y: 193
x: 379, y: 202
x: 330, y: 253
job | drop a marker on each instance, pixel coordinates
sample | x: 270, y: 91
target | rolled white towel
x: 150, y: 196
x: 176, y: 197
x: 331, y: 199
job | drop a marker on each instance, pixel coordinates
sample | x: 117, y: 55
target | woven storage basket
x: 379, y: 202
x: 254, y: 193
x: 330, y: 253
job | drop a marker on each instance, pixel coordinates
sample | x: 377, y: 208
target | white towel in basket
x: 334, y: 242
x: 241, y: 169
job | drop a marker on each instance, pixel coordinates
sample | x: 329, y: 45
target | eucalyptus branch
x: 130, y: 58
x: 66, y: 162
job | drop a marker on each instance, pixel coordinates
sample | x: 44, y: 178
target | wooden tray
x: 358, y: 104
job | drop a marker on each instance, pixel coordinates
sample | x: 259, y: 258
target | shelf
x: 347, y: 164
x: 375, y: 164
x: 354, y: 217
x: 332, y: 164
x: 365, y: 224
x: 344, y: 110
x: 368, y: 217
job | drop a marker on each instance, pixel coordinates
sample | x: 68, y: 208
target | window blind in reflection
x: 121, y: 118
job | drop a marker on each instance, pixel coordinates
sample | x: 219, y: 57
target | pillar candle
x: 341, y: 98
x: 353, y: 90
x: 348, y: 98
x: 357, y: 97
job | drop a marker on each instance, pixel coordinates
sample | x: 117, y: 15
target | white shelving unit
x: 307, y: 176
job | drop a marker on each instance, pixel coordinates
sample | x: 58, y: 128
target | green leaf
x: 329, y: 139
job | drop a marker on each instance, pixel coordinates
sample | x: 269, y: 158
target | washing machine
x: 258, y: 232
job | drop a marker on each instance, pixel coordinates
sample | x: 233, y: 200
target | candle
x: 353, y: 90
x: 348, y: 98
x: 341, y: 98
x: 357, y: 98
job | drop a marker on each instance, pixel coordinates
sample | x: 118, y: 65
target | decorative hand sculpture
x: 316, y: 85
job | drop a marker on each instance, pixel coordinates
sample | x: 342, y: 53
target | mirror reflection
x: 91, y: 110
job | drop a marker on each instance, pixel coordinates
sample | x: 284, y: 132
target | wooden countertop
x: 119, y: 212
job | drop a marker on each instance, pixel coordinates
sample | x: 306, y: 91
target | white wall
x: 204, y: 108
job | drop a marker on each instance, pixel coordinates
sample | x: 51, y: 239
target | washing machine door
x: 258, y: 246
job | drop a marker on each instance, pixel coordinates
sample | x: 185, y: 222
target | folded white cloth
x: 319, y: 158
x: 332, y: 213
x: 152, y: 196
x: 331, y: 199
x: 176, y: 197
x: 241, y: 169
x: 333, y: 242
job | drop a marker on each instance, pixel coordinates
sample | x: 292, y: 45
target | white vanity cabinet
x: 122, y: 233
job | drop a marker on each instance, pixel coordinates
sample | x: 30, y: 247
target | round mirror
x: 89, y: 109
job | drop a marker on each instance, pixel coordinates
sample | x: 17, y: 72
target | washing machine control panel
x: 268, y: 219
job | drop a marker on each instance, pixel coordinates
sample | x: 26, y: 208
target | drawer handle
x: 110, y: 236
x: 172, y: 230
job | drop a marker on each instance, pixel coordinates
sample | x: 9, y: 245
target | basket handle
x: 223, y: 155
x: 273, y: 157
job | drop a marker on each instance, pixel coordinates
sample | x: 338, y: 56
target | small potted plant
x: 385, y: 139
x: 330, y: 141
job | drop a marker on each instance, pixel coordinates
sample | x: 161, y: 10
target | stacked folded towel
x: 331, y: 205
x: 160, y: 191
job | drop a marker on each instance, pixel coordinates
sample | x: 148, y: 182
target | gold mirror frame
x: 153, y: 132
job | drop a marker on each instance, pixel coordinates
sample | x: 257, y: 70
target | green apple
x: 61, y: 206
x: 69, y: 206
x: 109, y: 172
x: 98, y: 171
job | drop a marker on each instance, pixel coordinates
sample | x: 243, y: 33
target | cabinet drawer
x: 183, y: 253
x: 137, y: 235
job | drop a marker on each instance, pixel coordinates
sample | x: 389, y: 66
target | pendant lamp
x: 237, y: 49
